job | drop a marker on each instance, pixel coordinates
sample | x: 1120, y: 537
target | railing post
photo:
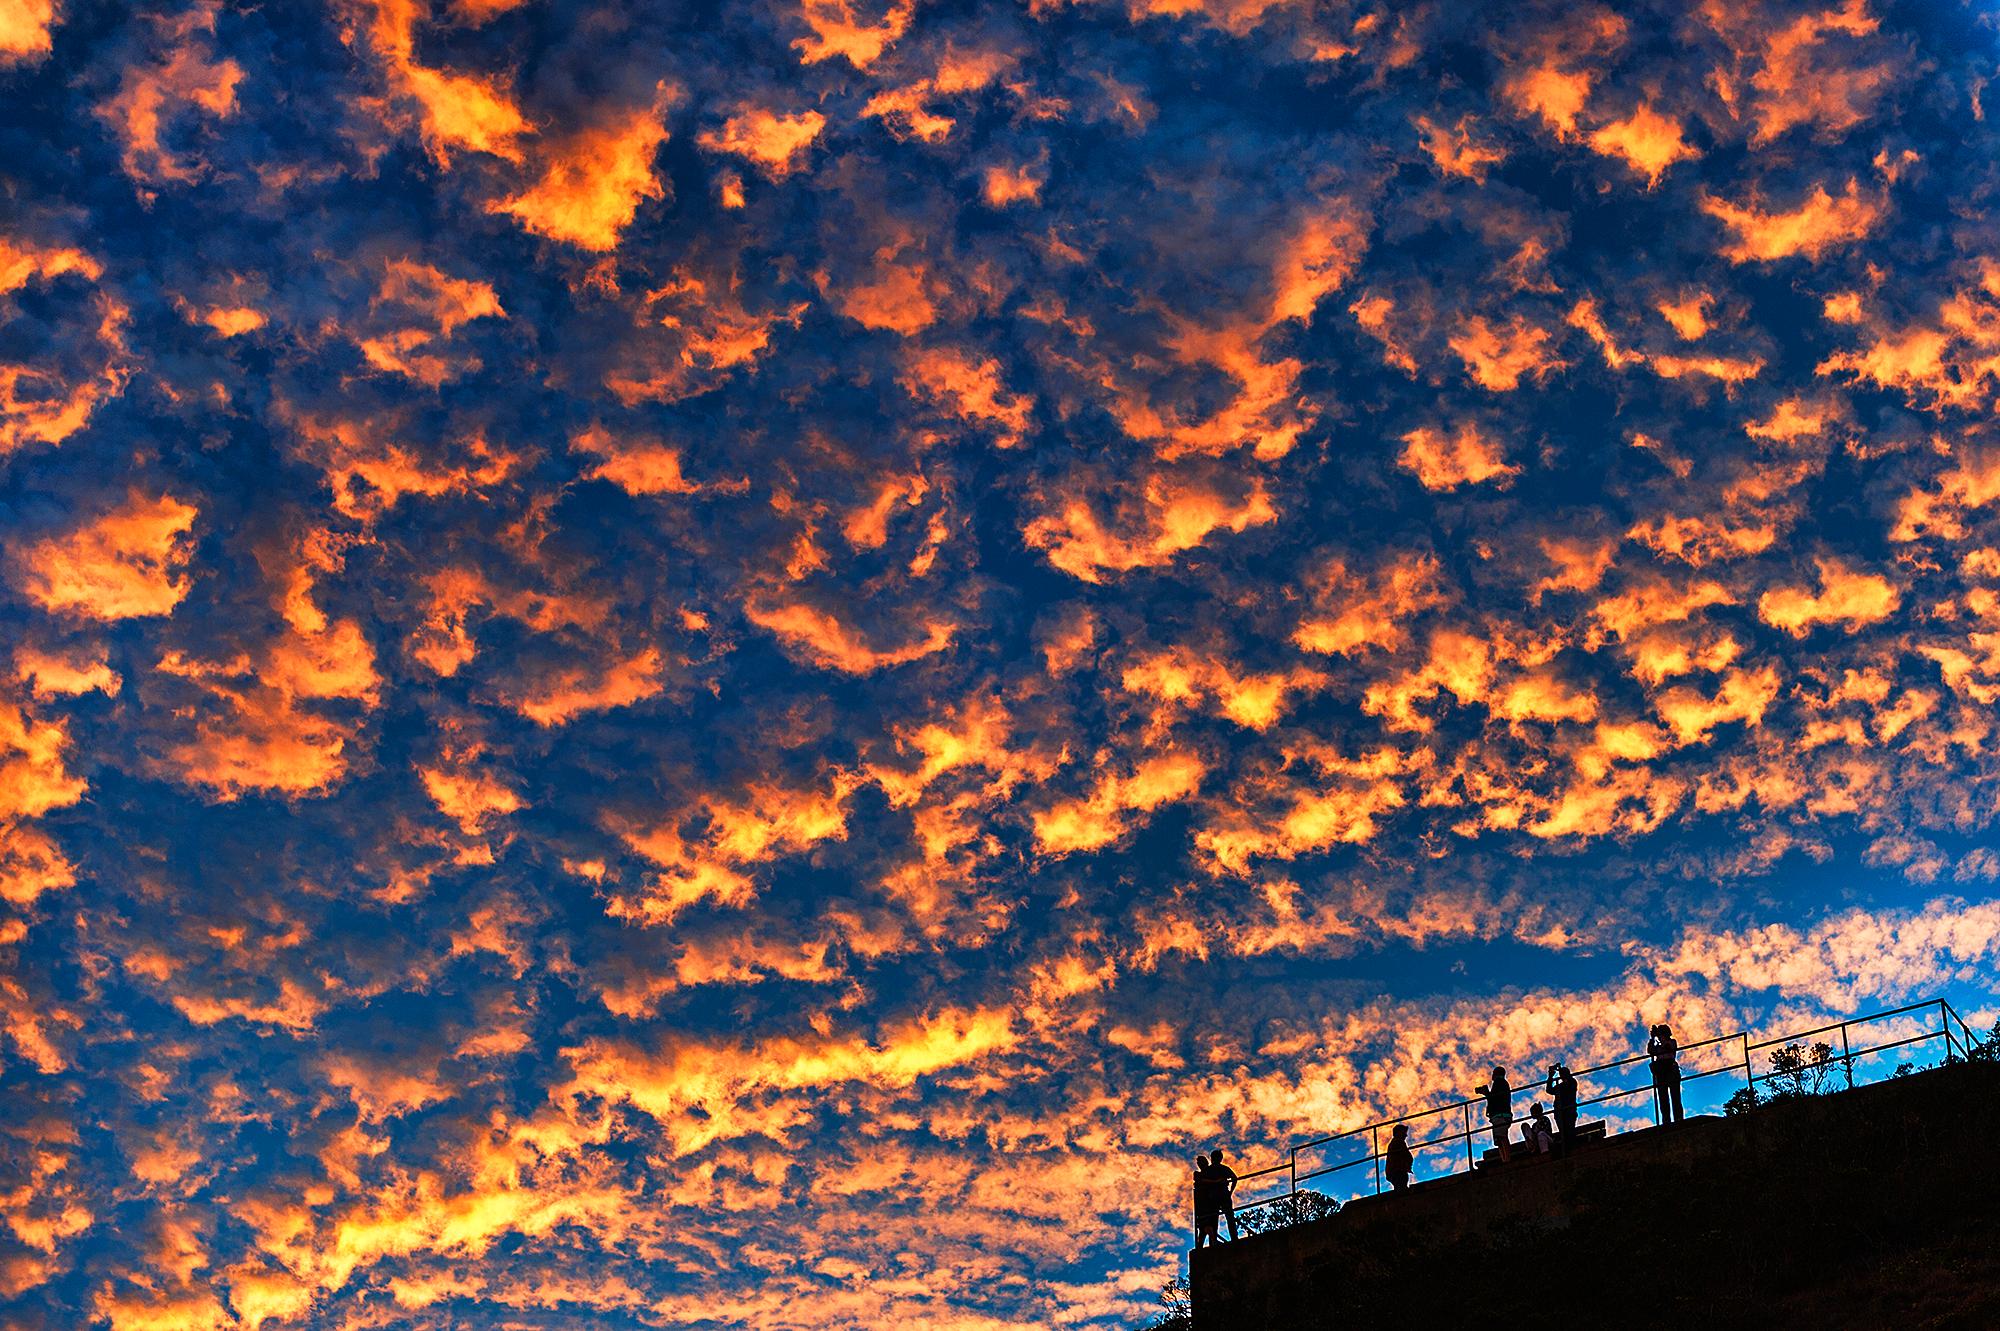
x: 1749, y: 1077
x: 1375, y: 1144
x: 1847, y: 1055
x: 1295, y: 1171
x: 1944, y: 1027
x: 1470, y: 1166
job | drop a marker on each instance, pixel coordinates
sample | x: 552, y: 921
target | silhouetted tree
x: 1799, y: 1070
x: 1177, y: 1301
x: 1984, y: 1051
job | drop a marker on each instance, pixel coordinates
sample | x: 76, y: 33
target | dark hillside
x: 1878, y: 1206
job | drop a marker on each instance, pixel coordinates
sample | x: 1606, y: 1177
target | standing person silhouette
x: 1499, y: 1110
x: 1225, y: 1189
x: 1397, y: 1160
x: 1664, y: 1053
x: 1205, y: 1208
x: 1561, y: 1086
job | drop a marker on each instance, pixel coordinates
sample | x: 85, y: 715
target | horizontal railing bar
x: 1744, y: 1065
x: 1791, y: 1036
x: 1524, y: 1088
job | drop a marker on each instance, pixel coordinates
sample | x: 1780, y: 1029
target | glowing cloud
x: 774, y: 141
x: 126, y: 563
x: 1846, y: 597
x: 593, y: 184
x: 24, y: 29
x: 1445, y: 462
x: 1819, y: 223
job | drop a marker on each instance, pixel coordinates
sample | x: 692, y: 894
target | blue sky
x: 747, y: 665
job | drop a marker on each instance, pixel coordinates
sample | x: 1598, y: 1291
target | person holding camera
x: 1499, y: 1109
x: 1663, y: 1051
x: 1561, y: 1086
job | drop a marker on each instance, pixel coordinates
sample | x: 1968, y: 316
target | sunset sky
x: 748, y: 664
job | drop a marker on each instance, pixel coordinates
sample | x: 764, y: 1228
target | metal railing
x: 1950, y: 1029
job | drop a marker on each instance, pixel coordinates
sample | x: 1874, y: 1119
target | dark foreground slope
x: 1878, y: 1206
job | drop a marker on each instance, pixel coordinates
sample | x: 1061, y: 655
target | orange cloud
x: 125, y: 564
x: 1456, y: 152
x: 713, y: 865
x: 838, y: 31
x: 1688, y: 315
x: 50, y: 675
x: 593, y: 184
x: 1585, y: 315
x: 1456, y: 662
x: 24, y: 30
x: 1445, y: 462
x: 1702, y: 540
x: 33, y: 778
x: 1743, y: 696
x: 1356, y: 615
x: 824, y: 641
x: 1845, y: 597
x: 1579, y: 563
x: 469, y: 797
x: 1728, y: 369
x: 1650, y: 603
x: 1820, y: 223
x: 1498, y: 357
x: 969, y: 385
x: 894, y: 298
x: 31, y: 863
x: 23, y: 261
x: 1254, y: 701
x: 458, y: 110
x: 370, y: 471
x: 1801, y: 78
x: 1003, y: 186
x: 773, y: 141
x: 1314, y: 820
x: 1175, y: 516
x: 700, y: 1093
x: 567, y: 694
x: 637, y: 468
x: 1101, y: 817
x: 1646, y: 141
x: 1556, y: 81
x: 1939, y: 510
x: 152, y: 95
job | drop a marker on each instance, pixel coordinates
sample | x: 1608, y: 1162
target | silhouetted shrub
x: 1295, y: 1209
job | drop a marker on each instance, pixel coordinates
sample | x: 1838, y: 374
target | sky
x: 747, y: 665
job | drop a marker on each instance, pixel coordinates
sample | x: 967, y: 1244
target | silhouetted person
x: 1538, y: 1133
x: 1499, y: 1110
x: 1561, y: 1086
x: 1206, y: 1207
x: 1225, y: 1185
x: 1663, y: 1051
x: 1397, y: 1160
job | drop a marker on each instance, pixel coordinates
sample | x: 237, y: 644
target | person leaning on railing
x: 1207, y: 1203
x: 1499, y: 1109
x: 1225, y: 1185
